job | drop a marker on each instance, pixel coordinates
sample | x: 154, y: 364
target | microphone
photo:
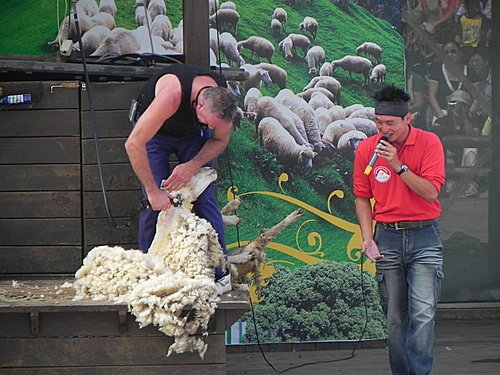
x: 374, y: 158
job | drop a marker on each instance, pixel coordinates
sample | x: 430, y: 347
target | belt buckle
x: 401, y: 225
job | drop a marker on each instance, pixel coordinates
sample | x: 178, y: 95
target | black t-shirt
x: 183, y: 122
x: 446, y: 87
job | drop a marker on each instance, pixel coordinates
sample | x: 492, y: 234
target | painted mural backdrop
x: 325, y: 59
x: 311, y: 288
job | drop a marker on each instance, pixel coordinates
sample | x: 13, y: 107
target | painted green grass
x: 27, y: 26
x: 254, y: 169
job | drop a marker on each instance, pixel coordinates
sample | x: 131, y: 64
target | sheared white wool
x: 179, y: 305
x: 187, y: 243
x: 109, y: 273
x: 173, y: 285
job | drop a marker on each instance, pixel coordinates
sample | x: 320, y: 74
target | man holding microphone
x: 402, y: 168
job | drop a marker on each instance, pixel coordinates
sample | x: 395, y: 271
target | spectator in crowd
x: 417, y: 90
x: 459, y: 103
x: 473, y: 26
x: 444, y: 26
x: 442, y: 81
x: 415, y: 11
x: 485, y: 8
x: 479, y: 64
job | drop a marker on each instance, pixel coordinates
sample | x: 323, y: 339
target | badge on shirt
x: 382, y: 174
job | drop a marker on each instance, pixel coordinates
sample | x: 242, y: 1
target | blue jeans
x: 159, y: 149
x: 409, y: 279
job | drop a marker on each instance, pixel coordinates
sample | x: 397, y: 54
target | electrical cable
x: 353, y: 353
x: 66, y: 9
x: 250, y: 300
x: 227, y: 148
x: 232, y: 191
x: 218, y: 38
x: 146, y: 15
x: 94, y: 126
x: 145, y: 58
x: 58, y: 20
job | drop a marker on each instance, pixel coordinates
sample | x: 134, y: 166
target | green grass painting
x: 27, y: 26
x: 270, y: 191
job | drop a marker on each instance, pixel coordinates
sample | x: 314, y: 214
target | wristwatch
x: 403, y: 169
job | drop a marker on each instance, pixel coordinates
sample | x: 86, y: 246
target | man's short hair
x: 481, y: 51
x: 391, y: 93
x: 221, y: 102
x: 391, y: 101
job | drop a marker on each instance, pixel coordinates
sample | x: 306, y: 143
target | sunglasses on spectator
x: 451, y: 51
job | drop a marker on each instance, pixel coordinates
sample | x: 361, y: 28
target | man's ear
x: 200, y: 102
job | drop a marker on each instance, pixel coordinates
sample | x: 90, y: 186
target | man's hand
x: 387, y: 151
x: 181, y: 175
x: 160, y: 200
x: 370, y: 248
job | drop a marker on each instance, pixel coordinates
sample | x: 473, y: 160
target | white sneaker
x: 223, y: 285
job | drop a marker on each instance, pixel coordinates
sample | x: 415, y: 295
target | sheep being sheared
x: 175, y: 277
x: 180, y: 233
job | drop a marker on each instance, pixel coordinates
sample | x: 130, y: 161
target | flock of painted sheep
x: 294, y: 126
x: 100, y: 36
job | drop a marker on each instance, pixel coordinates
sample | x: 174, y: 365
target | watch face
x: 403, y: 169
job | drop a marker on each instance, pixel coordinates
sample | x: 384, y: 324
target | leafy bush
x: 325, y: 301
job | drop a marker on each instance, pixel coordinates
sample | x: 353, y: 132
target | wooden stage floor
x: 462, y: 347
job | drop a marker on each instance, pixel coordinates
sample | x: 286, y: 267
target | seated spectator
x: 458, y: 104
x: 417, y: 89
x: 442, y: 82
x: 419, y: 50
x: 479, y: 64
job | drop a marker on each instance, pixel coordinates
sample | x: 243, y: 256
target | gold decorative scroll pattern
x: 353, y: 248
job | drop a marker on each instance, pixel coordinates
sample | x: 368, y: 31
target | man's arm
x: 417, y: 184
x: 165, y: 104
x: 364, y: 214
x: 433, y: 101
x: 212, y: 148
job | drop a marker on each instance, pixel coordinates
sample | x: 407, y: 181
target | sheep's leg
x: 268, y: 234
x: 230, y: 207
x: 249, y: 258
x: 231, y: 220
x: 227, y: 213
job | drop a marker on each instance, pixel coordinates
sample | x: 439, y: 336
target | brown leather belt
x: 399, y: 225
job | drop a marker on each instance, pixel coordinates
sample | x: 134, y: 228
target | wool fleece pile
x: 172, y: 286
